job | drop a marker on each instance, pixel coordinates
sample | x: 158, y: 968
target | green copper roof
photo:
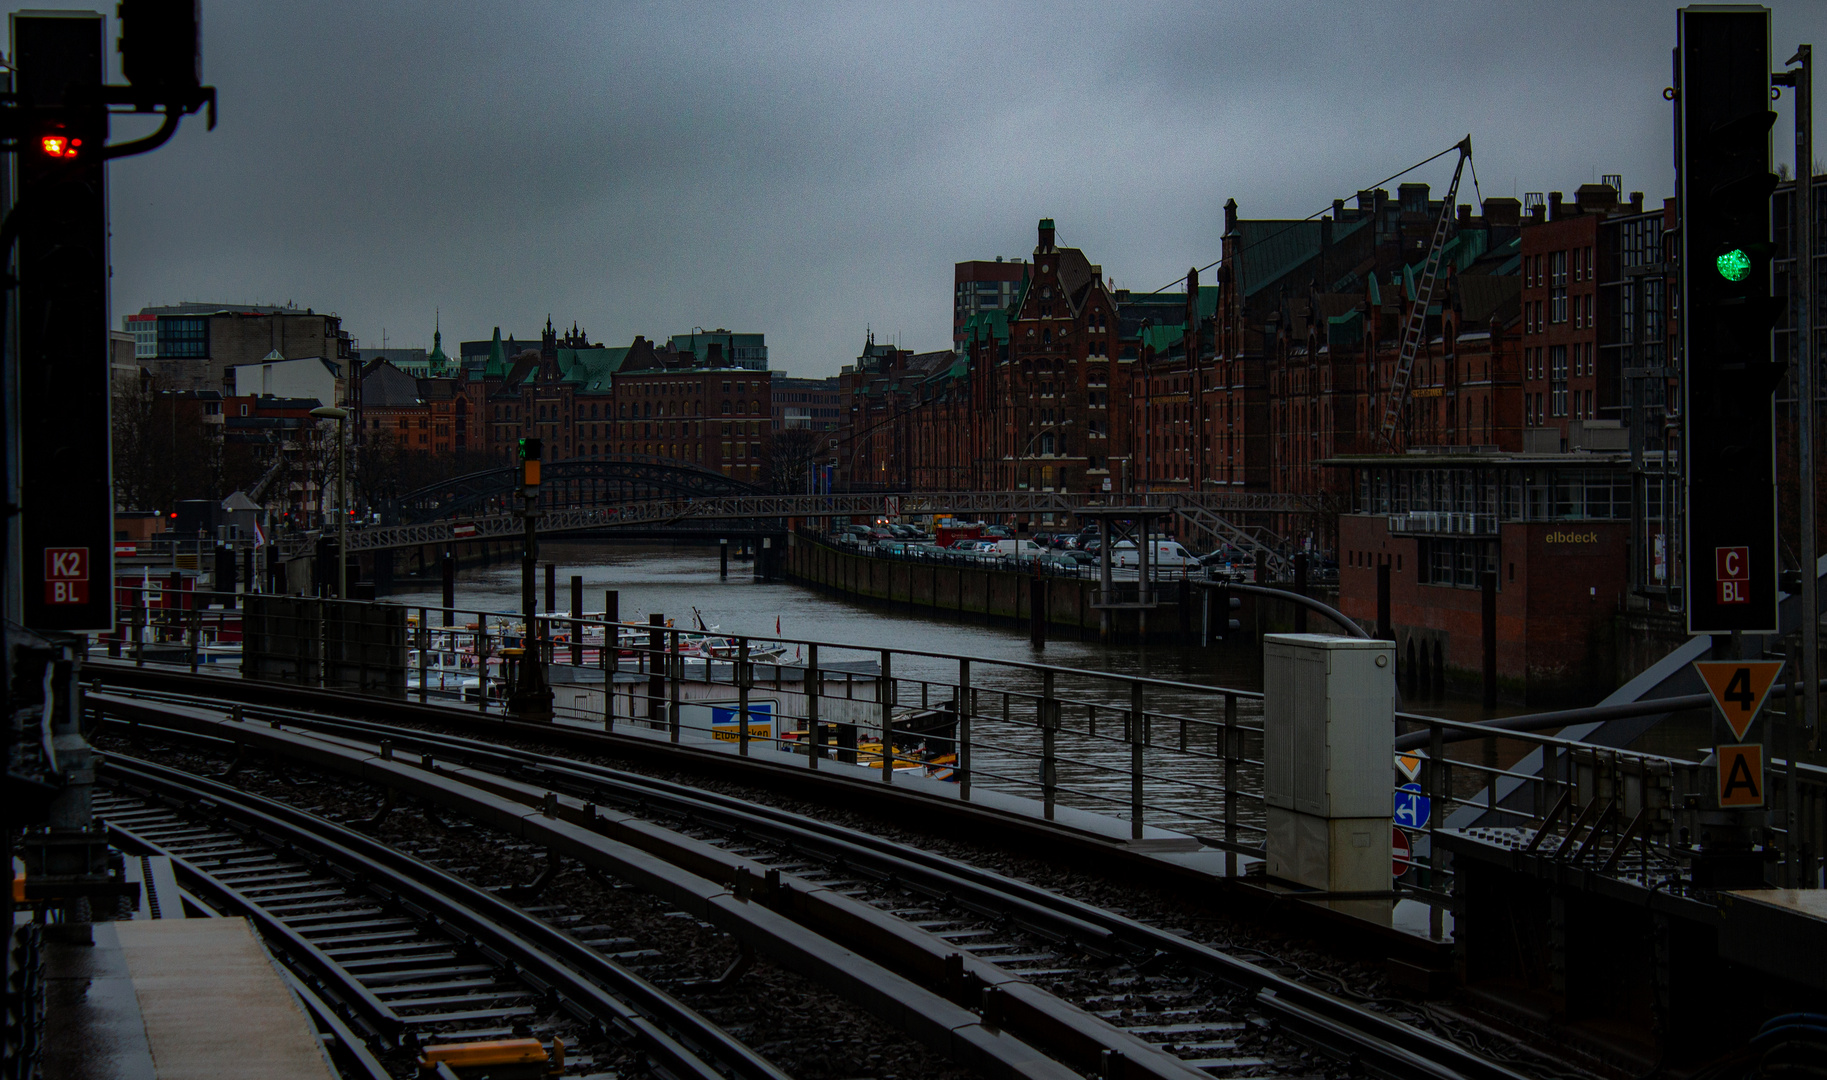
x: 1345, y: 329
x: 436, y: 358
x: 592, y: 370
x: 1163, y: 338
x: 497, y: 359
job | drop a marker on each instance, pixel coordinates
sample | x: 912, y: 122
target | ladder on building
x: 1415, y: 334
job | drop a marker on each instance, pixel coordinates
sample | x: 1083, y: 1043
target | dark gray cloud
x: 809, y: 170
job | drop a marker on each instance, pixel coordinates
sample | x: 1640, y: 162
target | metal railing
x: 1155, y: 754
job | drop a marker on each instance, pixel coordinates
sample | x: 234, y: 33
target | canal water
x: 673, y: 581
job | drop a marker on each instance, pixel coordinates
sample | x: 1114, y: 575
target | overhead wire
x: 1326, y: 210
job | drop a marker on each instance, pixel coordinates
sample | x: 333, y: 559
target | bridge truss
x: 1210, y: 512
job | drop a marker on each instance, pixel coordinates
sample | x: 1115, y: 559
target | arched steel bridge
x: 636, y: 492
x: 613, y: 480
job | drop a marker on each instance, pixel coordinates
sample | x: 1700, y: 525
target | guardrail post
x: 815, y: 743
x: 1136, y: 737
x: 656, y: 689
x: 675, y: 670
x: 142, y: 625
x: 1231, y: 753
x: 424, y: 636
x: 962, y: 750
x: 884, y: 692
x: 1049, y: 761
x: 742, y: 694
x: 606, y: 657
x: 196, y: 632
x: 1438, y: 784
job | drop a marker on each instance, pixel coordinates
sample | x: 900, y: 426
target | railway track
x: 1104, y: 993
x: 391, y: 954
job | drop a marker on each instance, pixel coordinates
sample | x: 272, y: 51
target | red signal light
x: 60, y: 146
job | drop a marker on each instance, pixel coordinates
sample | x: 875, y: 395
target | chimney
x: 1502, y: 212
x: 1367, y: 202
x: 1636, y: 202
x: 1554, y: 206
x: 1338, y: 209
x: 1465, y: 215
x: 1046, y: 234
x: 1230, y: 216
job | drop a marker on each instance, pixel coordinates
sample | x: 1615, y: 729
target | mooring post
x: 723, y: 559
x: 447, y: 568
x: 577, y: 615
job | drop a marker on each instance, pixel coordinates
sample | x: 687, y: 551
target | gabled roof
x: 385, y: 386
x: 1483, y: 295
x: 497, y: 359
x: 1270, y: 250
x: 591, y: 370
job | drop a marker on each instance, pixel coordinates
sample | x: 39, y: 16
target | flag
x: 776, y: 626
x: 259, y: 537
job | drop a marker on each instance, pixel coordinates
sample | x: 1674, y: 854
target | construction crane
x: 1416, y: 331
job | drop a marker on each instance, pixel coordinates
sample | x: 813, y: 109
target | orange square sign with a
x: 1739, y: 688
x: 1741, y: 776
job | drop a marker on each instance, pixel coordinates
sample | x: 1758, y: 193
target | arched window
x: 726, y: 408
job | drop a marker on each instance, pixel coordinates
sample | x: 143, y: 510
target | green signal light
x: 1734, y: 265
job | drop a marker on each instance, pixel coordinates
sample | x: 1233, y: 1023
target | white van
x: 1161, y: 553
x: 1018, y: 549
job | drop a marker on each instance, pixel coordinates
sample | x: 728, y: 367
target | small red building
x: 1552, y: 528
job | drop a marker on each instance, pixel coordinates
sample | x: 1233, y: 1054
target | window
x: 1557, y: 287
x: 183, y: 338
x: 1557, y: 376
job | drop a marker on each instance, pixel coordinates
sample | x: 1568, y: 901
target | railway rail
x: 391, y: 954
x: 1101, y: 993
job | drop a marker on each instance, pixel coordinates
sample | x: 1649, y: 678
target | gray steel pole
x: 342, y: 508
x: 1803, y: 83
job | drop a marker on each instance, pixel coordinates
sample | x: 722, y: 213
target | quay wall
x: 1004, y: 596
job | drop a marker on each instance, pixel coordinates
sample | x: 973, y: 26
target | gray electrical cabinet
x: 1328, y: 743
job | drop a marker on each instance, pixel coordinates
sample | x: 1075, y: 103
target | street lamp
x: 341, y: 416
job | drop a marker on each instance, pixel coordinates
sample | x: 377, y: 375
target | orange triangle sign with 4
x: 1739, y: 688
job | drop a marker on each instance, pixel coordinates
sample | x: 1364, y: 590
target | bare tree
x: 790, y: 458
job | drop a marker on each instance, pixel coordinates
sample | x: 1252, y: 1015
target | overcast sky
x: 810, y: 171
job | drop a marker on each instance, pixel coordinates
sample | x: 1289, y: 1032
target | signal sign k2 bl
x: 66, y: 575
